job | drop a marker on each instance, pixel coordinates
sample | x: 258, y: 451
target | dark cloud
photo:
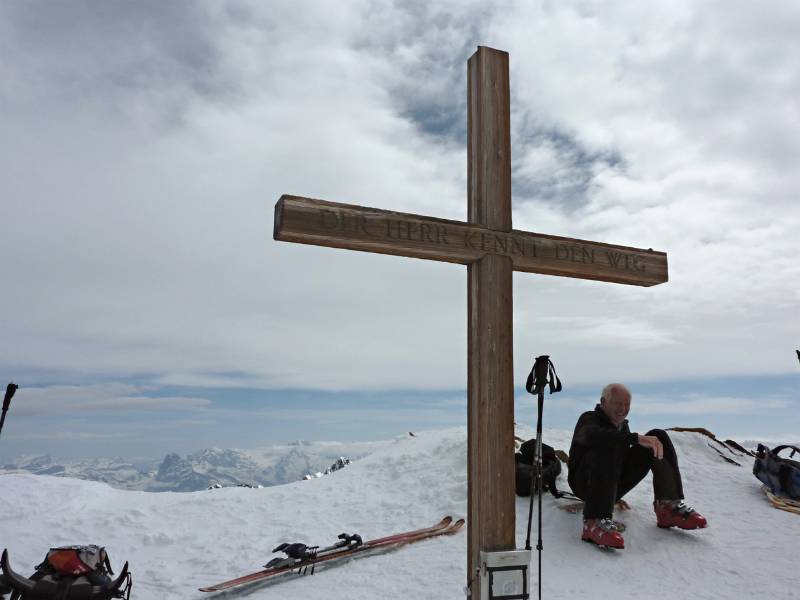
x: 138, y: 59
x: 427, y: 46
x: 568, y: 180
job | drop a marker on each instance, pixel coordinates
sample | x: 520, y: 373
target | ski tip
x: 456, y: 526
x: 212, y: 588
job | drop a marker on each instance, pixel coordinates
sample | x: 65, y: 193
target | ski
x: 782, y: 502
x: 332, y: 554
x: 577, y: 507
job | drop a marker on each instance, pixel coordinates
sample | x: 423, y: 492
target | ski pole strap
x: 543, y: 374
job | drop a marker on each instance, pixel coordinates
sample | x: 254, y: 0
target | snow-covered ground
x: 177, y: 542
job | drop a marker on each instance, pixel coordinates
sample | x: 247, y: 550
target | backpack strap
x: 563, y: 494
x: 549, y: 476
x: 777, y: 450
x: 551, y: 483
x: 107, y: 564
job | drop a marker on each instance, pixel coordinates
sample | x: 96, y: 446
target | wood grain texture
x: 490, y: 405
x: 322, y: 223
x: 338, y: 225
x: 489, y: 139
x: 490, y: 396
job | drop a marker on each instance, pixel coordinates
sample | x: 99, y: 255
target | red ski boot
x: 674, y: 513
x: 602, y: 532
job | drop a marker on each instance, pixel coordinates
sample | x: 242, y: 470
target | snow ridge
x: 178, y: 542
x: 274, y: 465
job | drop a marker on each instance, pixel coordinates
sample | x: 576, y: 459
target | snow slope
x: 177, y: 542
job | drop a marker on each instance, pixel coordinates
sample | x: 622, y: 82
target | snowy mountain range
x: 176, y: 543
x: 269, y: 466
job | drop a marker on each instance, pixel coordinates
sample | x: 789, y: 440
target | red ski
x: 390, y: 542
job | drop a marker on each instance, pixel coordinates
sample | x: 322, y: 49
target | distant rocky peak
x: 36, y: 462
x: 171, y: 466
x: 216, y: 457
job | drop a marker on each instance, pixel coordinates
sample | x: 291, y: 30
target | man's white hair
x: 611, y: 388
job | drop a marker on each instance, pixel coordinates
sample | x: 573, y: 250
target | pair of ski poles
x: 542, y: 375
x: 10, y: 389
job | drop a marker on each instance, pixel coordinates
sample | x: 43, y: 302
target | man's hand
x: 652, y: 442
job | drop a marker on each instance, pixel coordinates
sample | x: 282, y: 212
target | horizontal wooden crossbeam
x: 337, y: 225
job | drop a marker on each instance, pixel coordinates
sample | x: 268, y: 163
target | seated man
x: 606, y: 461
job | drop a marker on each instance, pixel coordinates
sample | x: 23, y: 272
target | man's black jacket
x: 595, y: 430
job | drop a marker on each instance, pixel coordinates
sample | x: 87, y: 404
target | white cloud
x: 139, y: 183
x: 77, y: 436
x: 338, y: 417
x: 700, y: 404
x: 101, y: 397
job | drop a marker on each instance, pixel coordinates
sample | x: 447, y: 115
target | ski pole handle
x: 540, y: 369
x: 542, y: 374
x: 10, y: 389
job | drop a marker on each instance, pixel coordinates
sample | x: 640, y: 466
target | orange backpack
x: 77, y: 560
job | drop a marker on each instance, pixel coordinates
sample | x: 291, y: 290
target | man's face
x: 617, y: 406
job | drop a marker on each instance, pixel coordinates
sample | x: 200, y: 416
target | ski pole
x: 542, y: 374
x: 10, y: 389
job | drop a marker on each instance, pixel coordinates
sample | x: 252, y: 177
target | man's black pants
x: 606, y: 474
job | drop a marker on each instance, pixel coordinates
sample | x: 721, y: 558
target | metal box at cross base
x: 504, y: 575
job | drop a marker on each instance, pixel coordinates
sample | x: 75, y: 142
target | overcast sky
x: 146, y: 308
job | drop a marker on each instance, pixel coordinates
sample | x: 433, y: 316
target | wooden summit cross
x: 492, y: 251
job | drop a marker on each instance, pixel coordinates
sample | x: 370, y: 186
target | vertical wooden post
x: 491, y: 500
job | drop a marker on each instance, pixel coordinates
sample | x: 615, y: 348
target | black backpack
x: 68, y: 573
x: 780, y: 475
x: 525, y: 470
